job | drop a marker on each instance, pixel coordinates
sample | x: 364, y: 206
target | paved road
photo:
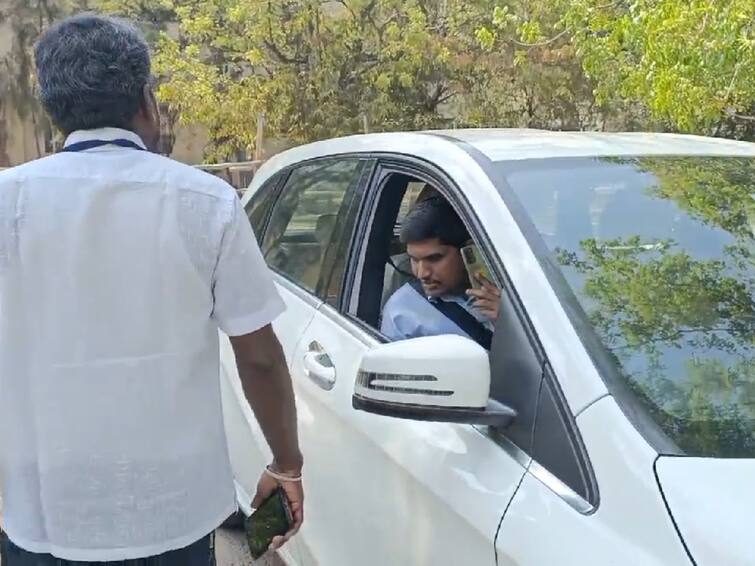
x: 231, y: 550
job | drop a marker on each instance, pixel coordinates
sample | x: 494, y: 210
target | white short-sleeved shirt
x: 117, y: 267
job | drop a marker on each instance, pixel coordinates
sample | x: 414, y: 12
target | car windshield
x: 659, y: 252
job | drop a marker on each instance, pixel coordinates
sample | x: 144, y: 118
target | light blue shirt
x: 409, y: 315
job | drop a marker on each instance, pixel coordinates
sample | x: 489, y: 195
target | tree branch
x: 680, y: 333
x: 282, y: 57
x: 345, y: 5
x: 446, y: 98
x: 272, y: 46
x: 440, y: 89
x: 543, y: 43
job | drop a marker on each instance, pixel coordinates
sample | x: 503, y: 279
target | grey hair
x: 91, y: 71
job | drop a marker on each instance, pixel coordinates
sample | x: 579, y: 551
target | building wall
x: 190, y: 143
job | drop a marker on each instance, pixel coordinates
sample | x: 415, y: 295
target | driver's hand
x: 487, y: 298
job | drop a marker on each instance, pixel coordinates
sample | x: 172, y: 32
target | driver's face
x: 439, y: 267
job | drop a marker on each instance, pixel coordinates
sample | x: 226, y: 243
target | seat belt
x: 459, y: 316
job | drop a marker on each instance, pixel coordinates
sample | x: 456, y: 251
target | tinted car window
x: 556, y: 445
x: 660, y: 255
x: 306, y: 217
x: 516, y: 374
x: 258, y: 207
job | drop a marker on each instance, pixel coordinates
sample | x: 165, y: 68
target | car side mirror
x: 435, y: 378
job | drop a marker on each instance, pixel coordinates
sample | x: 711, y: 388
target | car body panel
x: 630, y: 525
x: 389, y: 491
x: 248, y: 450
x: 511, y: 144
x: 712, y: 502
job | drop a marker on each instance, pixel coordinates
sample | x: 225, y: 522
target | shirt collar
x: 106, y: 134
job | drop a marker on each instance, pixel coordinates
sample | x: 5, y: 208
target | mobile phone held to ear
x: 271, y: 519
x: 475, y: 265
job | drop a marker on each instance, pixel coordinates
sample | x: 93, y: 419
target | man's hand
x: 295, y: 495
x: 267, y: 387
x: 487, y: 299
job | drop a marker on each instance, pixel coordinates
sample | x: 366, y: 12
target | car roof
x: 505, y: 144
x: 500, y: 144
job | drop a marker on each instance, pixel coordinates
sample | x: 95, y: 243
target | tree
x: 26, y: 20
x: 318, y: 69
x: 687, y: 64
x: 546, y: 86
x: 314, y: 68
x: 153, y: 14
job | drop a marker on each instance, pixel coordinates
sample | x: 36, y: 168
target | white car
x: 612, y: 421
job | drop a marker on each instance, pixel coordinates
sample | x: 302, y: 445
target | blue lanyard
x: 91, y: 144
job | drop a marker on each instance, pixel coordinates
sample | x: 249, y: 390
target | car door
x: 382, y: 490
x: 247, y: 454
x: 294, y: 225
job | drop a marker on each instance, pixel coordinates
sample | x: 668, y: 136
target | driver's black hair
x: 434, y: 218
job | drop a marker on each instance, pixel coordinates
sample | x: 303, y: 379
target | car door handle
x: 319, y: 368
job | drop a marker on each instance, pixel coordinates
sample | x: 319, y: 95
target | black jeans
x: 201, y: 553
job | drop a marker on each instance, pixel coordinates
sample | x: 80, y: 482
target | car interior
x: 398, y: 269
x: 386, y: 259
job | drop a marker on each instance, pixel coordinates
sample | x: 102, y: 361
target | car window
x: 556, y: 446
x: 337, y: 255
x: 258, y: 207
x: 657, y: 252
x: 306, y: 216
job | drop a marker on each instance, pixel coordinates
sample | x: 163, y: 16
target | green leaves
x: 316, y: 69
x: 688, y: 65
x: 689, y: 62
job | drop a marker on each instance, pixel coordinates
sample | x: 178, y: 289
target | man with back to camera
x: 440, y: 300
x: 117, y: 268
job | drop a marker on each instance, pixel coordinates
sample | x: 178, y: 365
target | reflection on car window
x: 659, y: 253
x: 259, y: 205
x: 305, y: 218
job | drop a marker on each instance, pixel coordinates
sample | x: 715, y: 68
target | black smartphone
x: 271, y: 519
